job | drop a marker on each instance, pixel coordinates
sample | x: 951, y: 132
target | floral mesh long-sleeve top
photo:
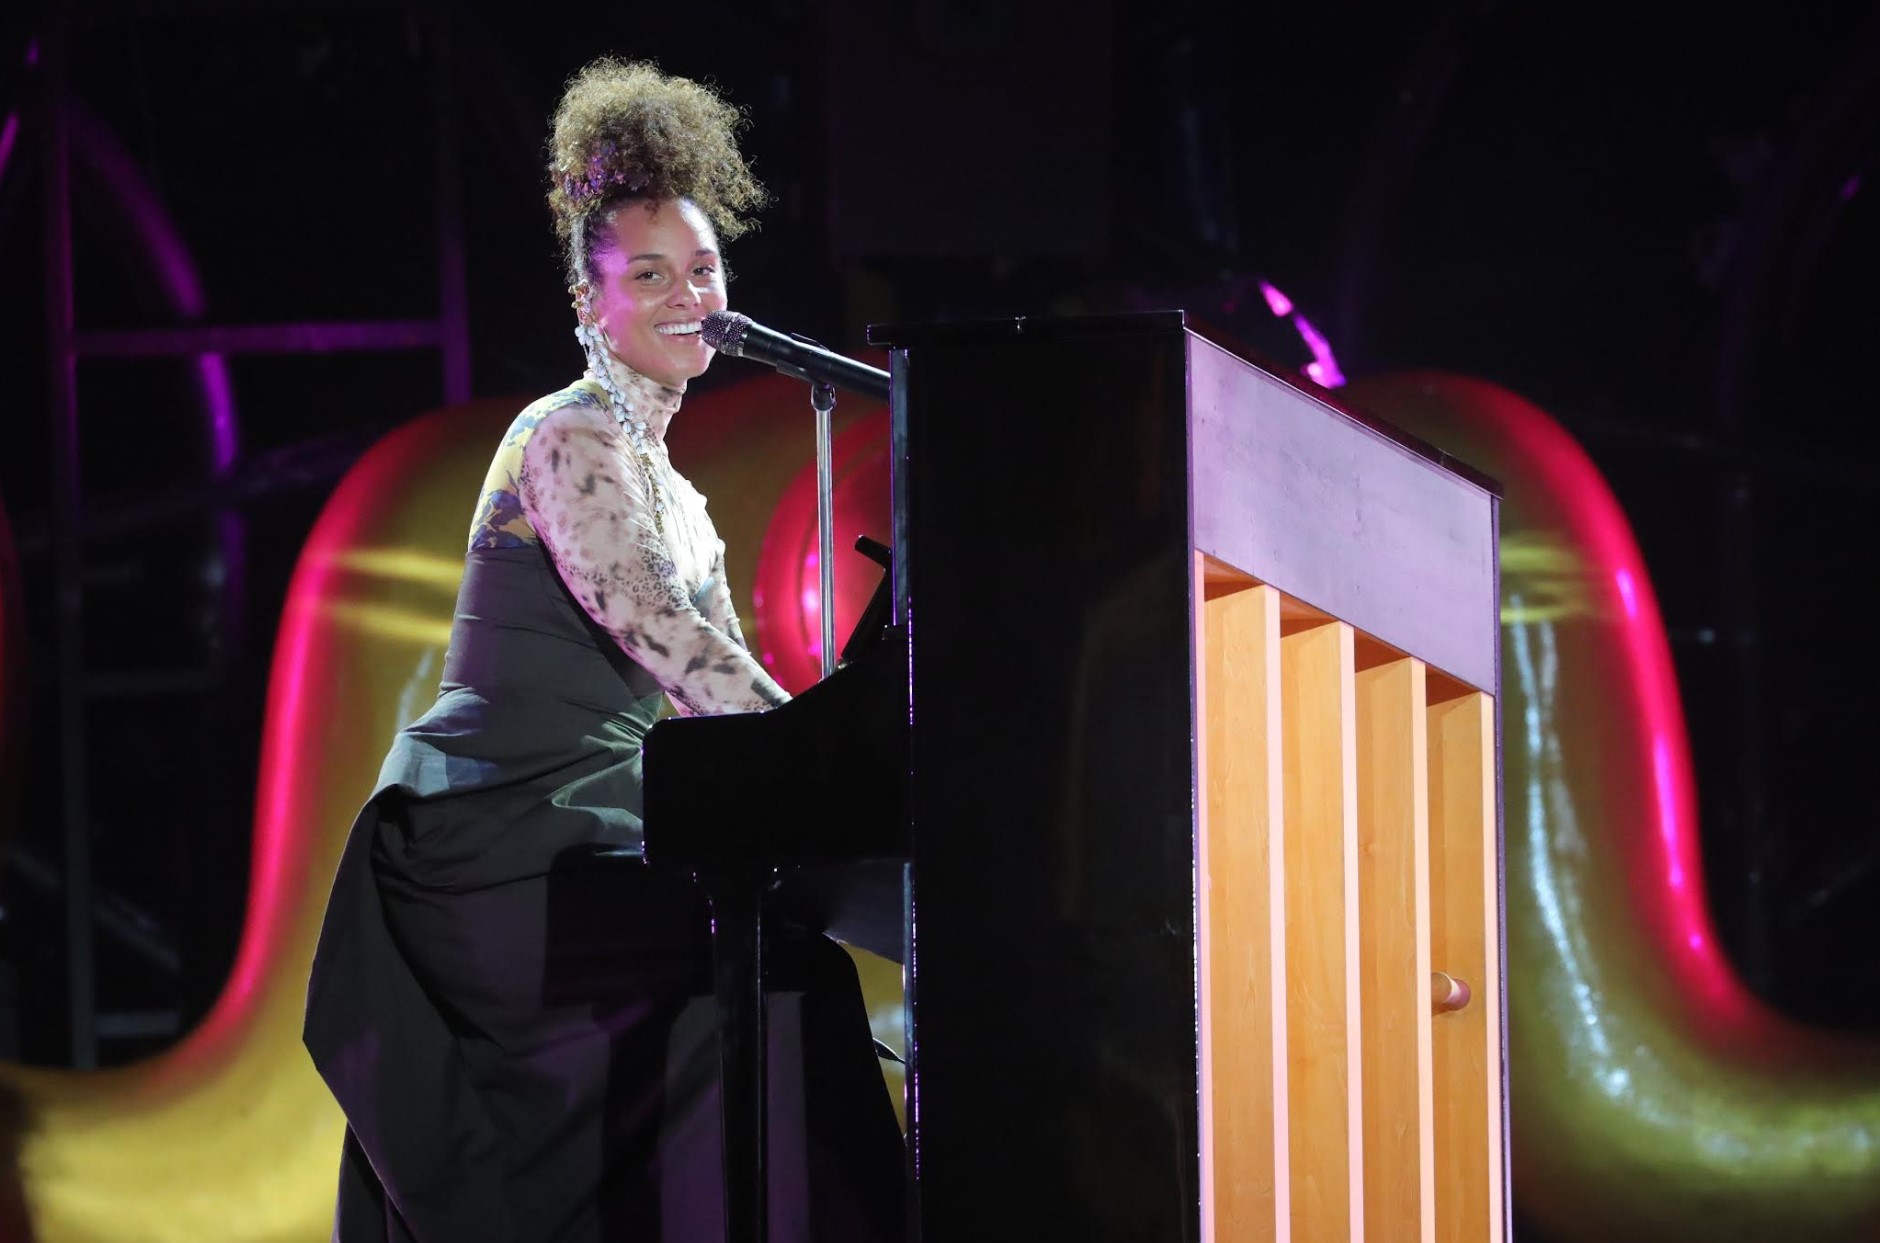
x: 628, y: 534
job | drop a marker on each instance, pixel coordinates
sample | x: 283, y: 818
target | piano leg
x: 738, y: 976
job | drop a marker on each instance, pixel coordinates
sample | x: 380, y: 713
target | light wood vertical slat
x: 1465, y: 944
x: 1323, y: 1009
x: 1394, y: 952
x: 1245, y: 1196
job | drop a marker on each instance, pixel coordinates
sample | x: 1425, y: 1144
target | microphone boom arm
x: 731, y: 333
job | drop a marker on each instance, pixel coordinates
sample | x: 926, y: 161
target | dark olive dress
x: 514, y: 1010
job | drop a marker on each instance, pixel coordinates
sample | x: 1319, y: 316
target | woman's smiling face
x: 655, y: 279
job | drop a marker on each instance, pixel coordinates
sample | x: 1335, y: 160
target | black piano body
x: 1043, y: 790
x: 1026, y: 741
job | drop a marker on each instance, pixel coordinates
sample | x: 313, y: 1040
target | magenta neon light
x: 9, y: 132
x: 1324, y: 366
x: 147, y: 216
x: 1323, y: 369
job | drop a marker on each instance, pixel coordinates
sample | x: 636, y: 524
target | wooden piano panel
x: 1319, y: 746
x: 1345, y: 853
x: 1465, y: 944
x: 1240, y: 868
x: 1394, y: 950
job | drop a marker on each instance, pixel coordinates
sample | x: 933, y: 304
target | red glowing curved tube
x: 787, y: 587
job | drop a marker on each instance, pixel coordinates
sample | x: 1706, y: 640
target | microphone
x: 731, y: 333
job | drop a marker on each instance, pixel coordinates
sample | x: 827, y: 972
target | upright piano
x: 1172, y: 780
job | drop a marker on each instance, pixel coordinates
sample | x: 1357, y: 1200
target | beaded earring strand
x: 594, y: 346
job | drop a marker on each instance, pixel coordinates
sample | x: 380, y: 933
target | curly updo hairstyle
x: 624, y: 131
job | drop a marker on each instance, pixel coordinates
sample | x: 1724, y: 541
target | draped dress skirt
x: 515, y: 1012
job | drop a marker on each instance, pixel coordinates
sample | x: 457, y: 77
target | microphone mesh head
x: 724, y: 331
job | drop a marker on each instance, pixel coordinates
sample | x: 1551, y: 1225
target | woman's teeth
x: 676, y: 330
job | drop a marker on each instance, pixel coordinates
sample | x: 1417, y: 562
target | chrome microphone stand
x: 822, y: 399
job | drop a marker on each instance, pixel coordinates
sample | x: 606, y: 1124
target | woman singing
x: 513, y: 1011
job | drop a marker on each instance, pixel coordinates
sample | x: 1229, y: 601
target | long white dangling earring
x: 596, y: 355
x: 594, y: 345
x: 595, y: 351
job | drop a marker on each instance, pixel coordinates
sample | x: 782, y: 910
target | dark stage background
x: 1659, y: 224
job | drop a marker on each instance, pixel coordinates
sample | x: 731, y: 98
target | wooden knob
x: 1447, y: 993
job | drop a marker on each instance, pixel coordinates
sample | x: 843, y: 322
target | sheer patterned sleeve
x: 586, y: 498
x: 719, y: 610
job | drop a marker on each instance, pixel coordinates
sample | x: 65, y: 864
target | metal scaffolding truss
x: 68, y: 349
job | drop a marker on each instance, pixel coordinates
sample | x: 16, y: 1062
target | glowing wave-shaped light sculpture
x: 229, y: 1136
x: 1653, y: 1097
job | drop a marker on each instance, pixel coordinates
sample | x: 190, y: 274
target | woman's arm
x: 586, y: 499
x: 719, y: 610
